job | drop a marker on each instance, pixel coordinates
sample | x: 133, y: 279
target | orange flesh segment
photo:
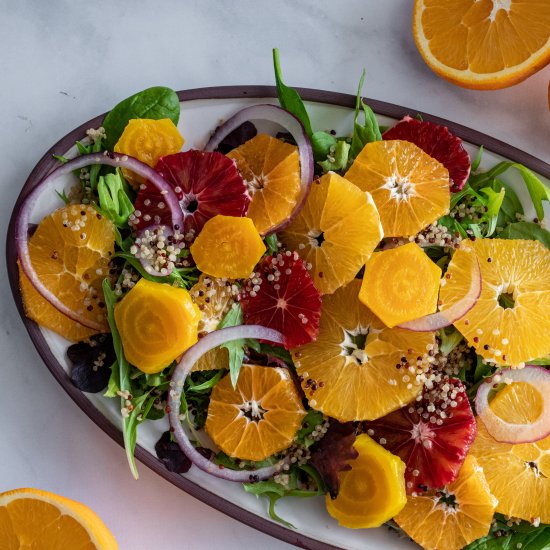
x: 70, y: 252
x: 483, y: 44
x: 257, y: 419
x: 271, y: 169
x: 410, y: 189
x: 436, y: 525
x: 518, y: 403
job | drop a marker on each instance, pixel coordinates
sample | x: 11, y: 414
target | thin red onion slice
x: 294, y: 127
x: 507, y: 432
x: 453, y: 313
x: 183, y: 368
x: 25, y: 211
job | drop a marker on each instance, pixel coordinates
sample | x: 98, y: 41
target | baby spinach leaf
x: 153, y: 103
x: 271, y: 243
x: 321, y: 143
x: 369, y: 130
x: 526, y: 230
x: 289, y: 98
x: 341, y: 155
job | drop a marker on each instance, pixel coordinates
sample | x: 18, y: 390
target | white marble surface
x: 63, y: 62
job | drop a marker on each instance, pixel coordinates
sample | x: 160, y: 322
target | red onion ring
x: 456, y: 311
x: 183, y: 368
x: 22, y: 222
x: 294, y: 127
x: 507, y: 432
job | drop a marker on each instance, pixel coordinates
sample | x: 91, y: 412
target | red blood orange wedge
x: 438, y: 142
x: 271, y: 169
x: 432, y: 435
x: 206, y: 184
x: 281, y: 295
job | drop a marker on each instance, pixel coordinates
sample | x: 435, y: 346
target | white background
x: 63, y: 62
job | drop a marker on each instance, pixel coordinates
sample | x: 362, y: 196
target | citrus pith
x: 335, y: 232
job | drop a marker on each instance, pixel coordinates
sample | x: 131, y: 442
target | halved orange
x: 518, y: 475
x: 509, y: 324
x: 271, y: 169
x: 70, y: 251
x: 336, y: 231
x: 410, y: 188
x: 483, y: 44
x: 34, y: 519
x: 258, y: 418
x: 355, y: 369
x: 453, y: 517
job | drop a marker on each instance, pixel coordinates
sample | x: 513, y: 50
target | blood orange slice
x: 206, y: 184
x: 439, y: 143
x: 432, y: 435
x: 282, y: 296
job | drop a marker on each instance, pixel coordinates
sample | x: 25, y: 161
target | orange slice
x: 455, y: 516
x: 483, y: 44
x: 518, y: 475
x: 336, y: 231
x: 509, y: 323
x: 410, y: 188
x: 373, y: 491
x: 350, y: 372
x: 70, y: 251
x: 271, y: 169
x: 34, y: 519
x: 257, y: 419
x: 400, y: 284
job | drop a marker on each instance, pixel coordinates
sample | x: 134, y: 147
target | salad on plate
x: 362, y: 317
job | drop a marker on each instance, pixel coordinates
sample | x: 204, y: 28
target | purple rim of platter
x: 47, y: 163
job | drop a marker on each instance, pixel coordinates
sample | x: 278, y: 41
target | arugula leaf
x: 322, y: 143
x: 369, y: 131
x: 526, y: 230
x: 493, y: 206
x: 477, y: 160
x: 114, y: 203
x: 271, y: 243
x: 450, y: 338
x: 129, y: 423
x: 312, y: 419
x: 235, y: 348
x: 289, y: 98
x: 63, y: 196
x: 340, y: 155
x: 153, y: 103
x: 276, y: 352
x: 511, y: 204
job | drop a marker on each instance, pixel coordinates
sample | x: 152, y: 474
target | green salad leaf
x: 153, y: 103
x: 322, y: 143
x: 338, y: 159
x: 289, y: 98
x: 366, y: 132
x: 511, y: 205
x: 114, y: 202
x: 526, y: 230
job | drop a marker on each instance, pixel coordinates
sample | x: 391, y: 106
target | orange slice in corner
x: 257, y: 419
x: 30, y: 518
x: 483, y: 44
x: 453, y: 517
x: 271, y: 169
x: 70, y: 252
x: 410, y: 188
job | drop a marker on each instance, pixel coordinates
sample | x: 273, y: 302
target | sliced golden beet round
x: 400, y: 284
x: 228, y: 247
